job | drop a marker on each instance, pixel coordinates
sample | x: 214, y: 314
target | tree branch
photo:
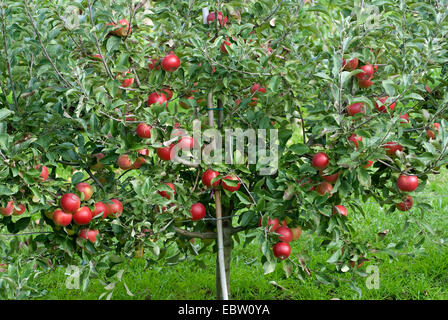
x: 190, y: 234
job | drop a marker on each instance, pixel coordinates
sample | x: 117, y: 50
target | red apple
x: 114, y: 208
x: 86, y: 189
x: 138, y: 162
x: 166, y: 194
x: 127, y: 82
x: 8, y: 210
x: 21, y: 210
x: 282, y: 250
x: 368, y: 164
x: 100, y: 207
x: 43, y: 172
x: 355, y: 138
x: 332, y: 178
x: 154, y: 98
x: 168, y: 92
x: 82, y: 216
x: 351, y: 65
x: 355, y: 108
x: 406, y: 204
x: 392, y: 148
x: 285, y: 234
x: 340, y: 209
x: 185, y: 143
x: 143, y: 152
x: 208, y: 176
x: 144, y: 130
x: 272, y: 225
x: 124, y: 162
x: 70, y: 203
x: 165, y: 152
x: 324, y: 187
x: 320, y: 161
x: 153, y: 63
x: 228, y: 187
x: 123, y: 31
x: 365, y: 83
x: 62, y: 218
x: 405, y: 118
x: 407, y: 183
x: 367, y: 73
x: 223, y: 48
x: 197, y: 211
x: 257, y: 88
x: 88, y: 234
x: 382, y: 108
x: 211, y: 17
x: 253, y: 102
x: 170, y: 63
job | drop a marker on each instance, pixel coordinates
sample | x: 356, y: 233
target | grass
x: 420, y: 276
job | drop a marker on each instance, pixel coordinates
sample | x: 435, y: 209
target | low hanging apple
x: 70, y: 203
x: 114, y: 208
x: 350, y: 65
x: 282, y: 250
x: 356, y: 108
x: 320, y: 161
x: 285, y: 234
x: 340, y: 209
x: 100, y: 207
x: 208, y: 176
x: 85, y: 189
x: 62, y: 218
x: 124, y: 162
x: 227, y: 187
x: 8, y: 210
x: 171, y: 62
x: 166, y: 194
x: 156, y: 98
x: 272, y: 225
x: 164, y: 153
x: 144, y: 130
x: 382, y: 108
x: 197, y: 211
x: 83, y: 216
x: 407, y: 183
x: 21, y: 209
x: 332, y: 178
x: 406, y: 204
x: 43, y: 173
x: 88, y: 234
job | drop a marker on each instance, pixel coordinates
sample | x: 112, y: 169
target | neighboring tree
x: 97, y: 92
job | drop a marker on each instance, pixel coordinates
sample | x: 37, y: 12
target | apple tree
x: 117, y: 118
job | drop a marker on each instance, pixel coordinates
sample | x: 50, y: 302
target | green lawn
x: 420, y: 276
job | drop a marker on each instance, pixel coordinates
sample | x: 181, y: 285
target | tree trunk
x: 228, y: 244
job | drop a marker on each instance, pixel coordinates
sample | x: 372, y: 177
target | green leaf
x: 4, y: 113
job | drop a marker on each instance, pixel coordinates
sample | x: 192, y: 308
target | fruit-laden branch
x: 8, y: 64
x: 97, y: 41
x: 67, y: 84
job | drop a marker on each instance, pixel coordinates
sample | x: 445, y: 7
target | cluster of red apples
x: 71, y: 211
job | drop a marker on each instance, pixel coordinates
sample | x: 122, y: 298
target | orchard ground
x: 423, y: 276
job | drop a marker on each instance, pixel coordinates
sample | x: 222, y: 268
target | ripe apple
x: 154, y: 63
x: 88, y: 234
x: 21, y: 210
x: 168, y: 92
x: 382, y: 108
x: 407, y: 183
x: 197, y: 211
x: 324, y: 187
x: 70, y: 203
x: 355, y: 138
x: 100, y: 207
x: 170, y: 63
x: 392, y: 148
x: 282, y: 250
x: 257, y: 88
x: 8, y: 210
x: 355, y: 108
x: 285, y: 234
x: 185, y: 143
x: 404, y: 118
x: 320, y: 161
x: 127, y: 82
x: 86, y: 189
x: 223, y: 48
x: 62, y: 218
x: 365, y: 83
x: 96, y: 57
x: 144, y: 130
x: 272, y: 225
x: 228, y: 187
x: 124, y: 162
x: 43, y: 172
x: 332, y: 178
x: 82, y: 216
x: 406, y: 204
x: 143, y: 152
x: 208, y: 176
x: 138, y: 162
x: 296, y: 233
x: 165, y: 152
x: 340, y: 209
x: 211, y: 17
x: 166, y: 194
x: 351, y: 65
x: 367, y: 73
x: 430, y: 133
x: 154, y: 98
x: 114, y: 208
x: 123, y: 31
x: 368, y: 164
